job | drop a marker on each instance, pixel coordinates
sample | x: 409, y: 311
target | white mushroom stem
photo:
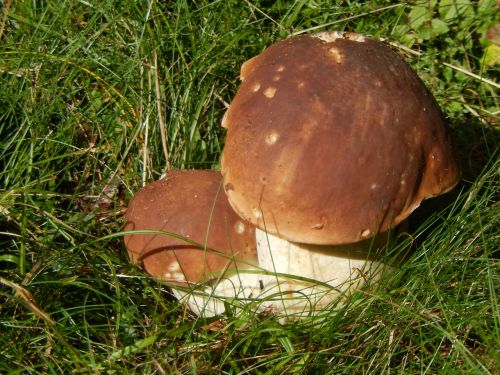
x: 209, y: 300
x: 310, y: 277
x: 293, y: 280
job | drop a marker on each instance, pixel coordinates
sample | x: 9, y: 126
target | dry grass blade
x: 6, y: 8
x: 159, y: 108
x: 28, y: 300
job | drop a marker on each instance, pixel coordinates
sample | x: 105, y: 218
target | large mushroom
x: 192, y: 238
x: 331, y: 140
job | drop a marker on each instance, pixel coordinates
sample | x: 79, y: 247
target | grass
x: 98, y: 98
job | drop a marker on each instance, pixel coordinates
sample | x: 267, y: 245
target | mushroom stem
x: 310, y: 277
x: 208, y: 300
x: 293, y: 280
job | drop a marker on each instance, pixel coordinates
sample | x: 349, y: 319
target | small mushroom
x: 331, y: 140
x: 204, y: 241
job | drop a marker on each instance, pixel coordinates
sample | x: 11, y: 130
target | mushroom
x: 332, y: 140
x: 199, y: 241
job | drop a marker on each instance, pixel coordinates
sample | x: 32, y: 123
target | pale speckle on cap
x: 374, y: 186
x: 257, y: 213
x: 280, y: 68
x: 177, y: 276
x: 256, y: 87
x: 366, y: 233
x: 403, y: 178
x: 301, y: 85
x: 239, y: 227
x: 276, y: 78
x: 336, y: 55
x: 174, y: 266
x: 271, y: 138
x: 270, y: 92
x: 307, y: 130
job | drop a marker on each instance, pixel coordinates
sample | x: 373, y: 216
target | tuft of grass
x: 99, y: 98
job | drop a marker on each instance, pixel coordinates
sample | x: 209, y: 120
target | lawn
x: 98, y: 98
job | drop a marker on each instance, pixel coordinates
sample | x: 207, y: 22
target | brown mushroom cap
x: 333, y: 138
x: 193, y: 205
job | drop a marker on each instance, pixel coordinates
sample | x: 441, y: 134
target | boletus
x: 192, y: 238
x: 332, y: 139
